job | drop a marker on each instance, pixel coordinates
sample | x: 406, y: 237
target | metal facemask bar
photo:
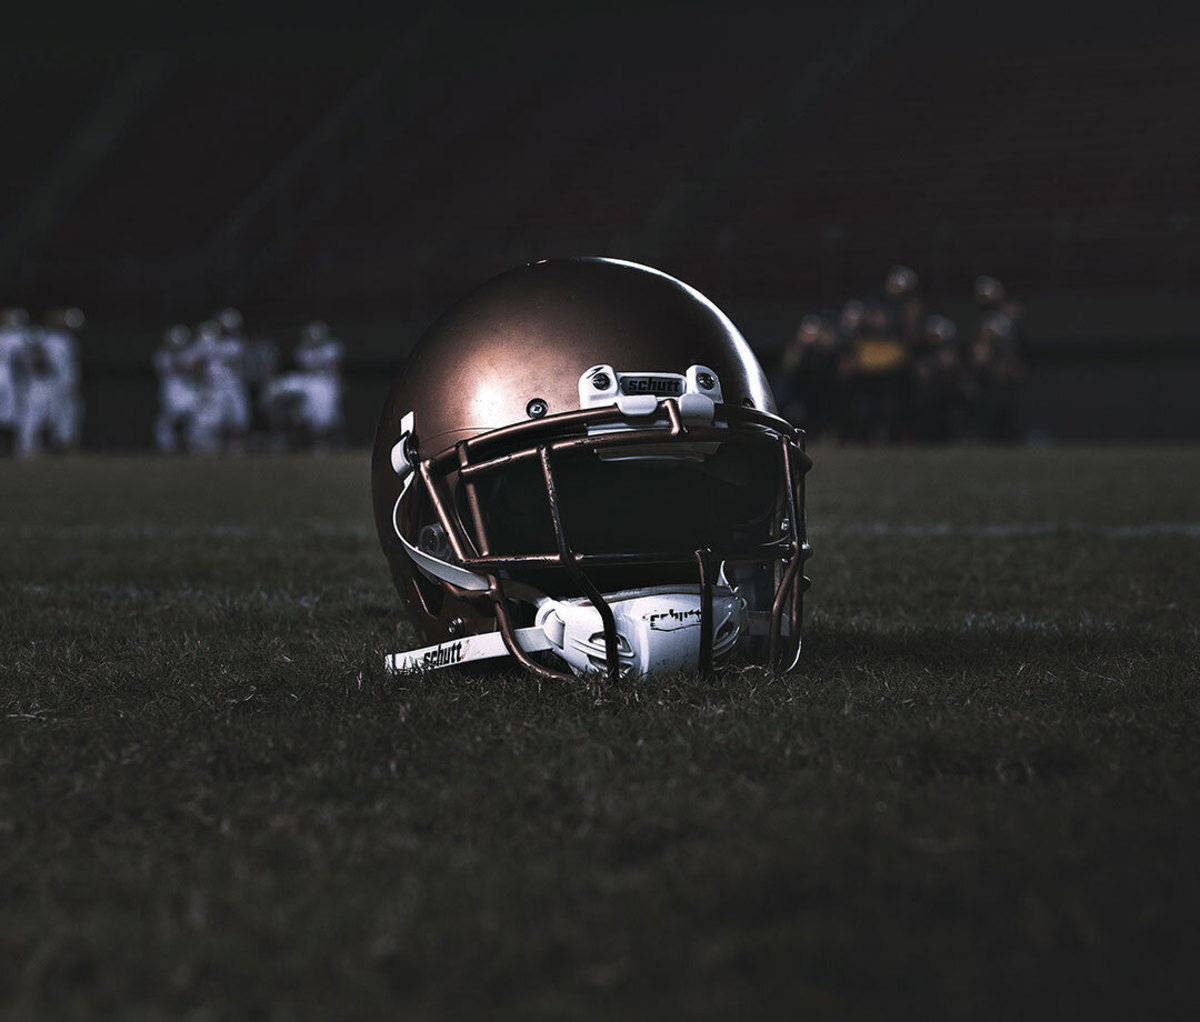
x: 476, y: 571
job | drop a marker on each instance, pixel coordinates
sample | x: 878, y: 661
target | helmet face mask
x: 635, y: 505
x: 611, y: 516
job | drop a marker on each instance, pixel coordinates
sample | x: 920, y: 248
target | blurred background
x: 363, y: 172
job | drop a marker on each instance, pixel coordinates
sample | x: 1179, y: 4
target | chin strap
x: 402, y: 465
x: 454, y: 652
x: 431, y: 565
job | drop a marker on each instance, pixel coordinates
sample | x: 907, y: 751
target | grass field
x: 978, y: 796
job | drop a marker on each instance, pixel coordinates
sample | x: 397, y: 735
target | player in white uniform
x: 260, y: 363
x: 178, y: 392
x: 222, y: 412
x: 319, y: 357
x: 307, y: 401
x: 53, y: 406
x: 14, y: 329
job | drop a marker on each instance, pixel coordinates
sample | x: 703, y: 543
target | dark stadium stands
x: 779, y: 160
x: 1054, y: 166
x: 523, y: 167
x: 58, y: 85
x: 213, y: 124
x: 1051, y: 167
x: 211, y: 135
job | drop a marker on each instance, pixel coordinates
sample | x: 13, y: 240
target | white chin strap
x: 658, y: 631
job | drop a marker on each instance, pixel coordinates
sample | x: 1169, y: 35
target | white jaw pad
x: 658, y: 629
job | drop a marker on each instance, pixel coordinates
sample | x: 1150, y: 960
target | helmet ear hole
x: 431, y: 596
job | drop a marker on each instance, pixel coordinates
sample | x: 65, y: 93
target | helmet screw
x: 706, y: 380
x: 601, y: 381
x: 536, y: 408
x: 456, y: 627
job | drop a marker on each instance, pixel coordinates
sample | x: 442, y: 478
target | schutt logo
x: 669, y: 620
x: 443, y: 656
x: 664, y: 385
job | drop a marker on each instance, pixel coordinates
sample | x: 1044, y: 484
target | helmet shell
x: 532, y: 332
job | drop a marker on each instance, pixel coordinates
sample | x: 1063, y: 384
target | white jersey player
x: 222, y: 412
x: 319, y: 358
x: 178, y: 389
x: 14, y: 330
x: 53, y: 407
x: 308, y: 400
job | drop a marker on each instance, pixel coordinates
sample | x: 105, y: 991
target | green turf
x: 978, y: 797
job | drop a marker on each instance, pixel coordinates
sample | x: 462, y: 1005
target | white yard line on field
x: 920, y: 530
x: 1008, y: 530
x: 168, y: 595
x: 213, y: 530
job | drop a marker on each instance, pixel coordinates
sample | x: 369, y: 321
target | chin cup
x: 658, y: 629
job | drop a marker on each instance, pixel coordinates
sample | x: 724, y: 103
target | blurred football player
x: 880, y: 360
x: 53, y: 407
x: 257, y: 362
x: 785, y: 381
x: 222, y: 414
x: 178, y: 388
x: 995, y: 365
x: 987, y: 291
x: 231, y: 323
x: 937, y: 387
x: 850, y: 320
x: 849, y: 332
x: 260, y: 365
x: 305, y: 404
x: 900, y: 290
x: 995, y: 372
x: 808, y: 375
x: 319, y: 356
x: 14, y: 329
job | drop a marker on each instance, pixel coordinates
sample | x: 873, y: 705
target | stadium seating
x: 212, y: 133
x: 1053, y: 166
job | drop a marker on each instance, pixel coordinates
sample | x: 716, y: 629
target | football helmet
x: 580, y: 466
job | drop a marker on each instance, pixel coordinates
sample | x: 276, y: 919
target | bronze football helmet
x: 581, y: 466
